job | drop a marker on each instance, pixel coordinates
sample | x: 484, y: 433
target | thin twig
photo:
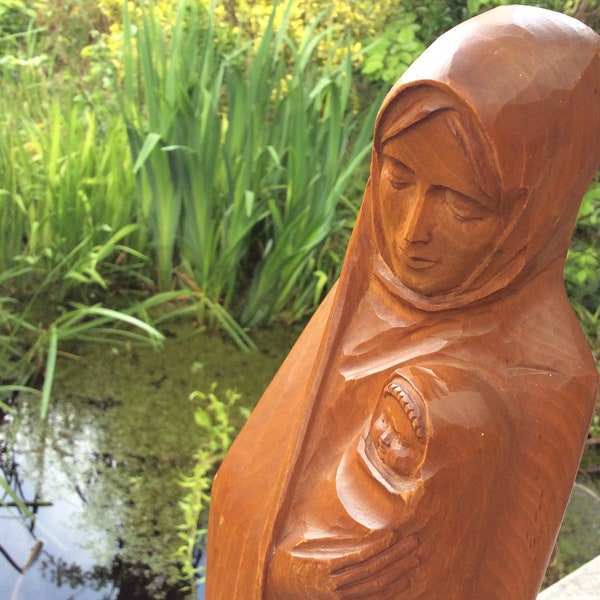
x: 33, y: 504
x: 9, y: 559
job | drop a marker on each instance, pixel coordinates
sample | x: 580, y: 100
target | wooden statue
x: 422, y: 437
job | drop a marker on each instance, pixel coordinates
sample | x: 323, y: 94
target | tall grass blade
x: 321, y: 149
x: 15, y: 499
x: 49, y: 371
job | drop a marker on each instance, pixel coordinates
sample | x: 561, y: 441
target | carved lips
x: 417, y: 262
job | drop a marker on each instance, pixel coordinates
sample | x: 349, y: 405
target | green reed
x: 186, y: 191
x: 84, y: 190
x: 66, y: 181
x: 241, y: 159
x: 69, y: 229
x: 225, y: 170
x: 321, y: 146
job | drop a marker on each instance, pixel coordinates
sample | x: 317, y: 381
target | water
x: 102, y: 471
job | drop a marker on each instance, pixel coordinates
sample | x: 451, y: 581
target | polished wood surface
x: 421, y: 439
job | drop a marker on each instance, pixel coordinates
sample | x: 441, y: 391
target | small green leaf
x: 148, y: 146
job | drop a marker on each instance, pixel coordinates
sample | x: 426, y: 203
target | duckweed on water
x: 107, y: 463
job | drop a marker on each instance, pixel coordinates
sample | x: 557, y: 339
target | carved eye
x: 397, y: 174
x: 400, y: 185
x: 463, y: 207
x: 381, y: 424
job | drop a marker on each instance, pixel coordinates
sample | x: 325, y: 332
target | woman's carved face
x: 438, y: 224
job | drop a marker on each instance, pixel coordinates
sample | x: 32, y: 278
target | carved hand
x: 381, y: 570
x: 377, y: 567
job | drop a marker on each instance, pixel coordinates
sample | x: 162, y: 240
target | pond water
x: 101, y: 472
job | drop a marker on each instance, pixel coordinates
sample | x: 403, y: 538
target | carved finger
x: 396, y: 574
x: 359, y: 551
x: 387, y: 592
x: 372, y: 565
x: 371, y: 547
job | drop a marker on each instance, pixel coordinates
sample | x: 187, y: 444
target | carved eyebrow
x: 398, y: 164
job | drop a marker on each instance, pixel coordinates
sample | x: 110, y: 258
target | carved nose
x: 418, y: 224
x: 387, y: 437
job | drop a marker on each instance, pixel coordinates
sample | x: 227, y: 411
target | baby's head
x: 396, y: 439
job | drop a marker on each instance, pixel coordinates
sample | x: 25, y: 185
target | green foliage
x: 68, y: 226
x: 434, y: 17
x: 65, y: 187
x: 30, y: 345
x: 31, y: 337
x: 65, y: 28
x: 391, y: 53
x: 15, y: 19
x: 240, y: 162
x: 587, y: 11
x: 582, y: 276
x: 214, y: 417
x: 316, y: 146
x: 595, y: 427
x: 474, y: 7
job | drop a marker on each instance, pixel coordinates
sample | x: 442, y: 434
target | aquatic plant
x: 214, y: 418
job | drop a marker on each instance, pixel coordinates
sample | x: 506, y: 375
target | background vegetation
x: 180, y: 157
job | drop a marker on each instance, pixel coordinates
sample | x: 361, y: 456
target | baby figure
x: 379, y: 477
x: 395, y: 441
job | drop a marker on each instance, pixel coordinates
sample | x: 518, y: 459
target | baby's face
x: 394, y: 438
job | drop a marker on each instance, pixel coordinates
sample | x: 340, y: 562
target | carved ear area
x: 412, y: 406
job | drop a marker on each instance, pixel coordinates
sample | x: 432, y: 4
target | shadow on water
x: 100, y: 475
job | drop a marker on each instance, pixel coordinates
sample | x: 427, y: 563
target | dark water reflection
x: 102, y: 471
x: 108, y: 510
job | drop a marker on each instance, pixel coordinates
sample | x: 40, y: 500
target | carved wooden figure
x: 421, y: 439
